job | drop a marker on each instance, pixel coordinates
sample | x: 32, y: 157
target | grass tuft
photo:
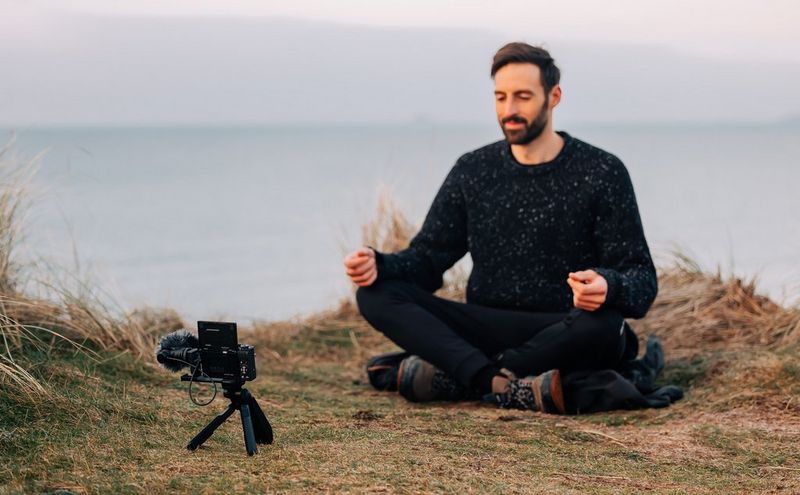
x: 69, y: 317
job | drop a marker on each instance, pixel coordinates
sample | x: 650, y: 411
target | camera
x: 215, y: 354
x: 221, y: 354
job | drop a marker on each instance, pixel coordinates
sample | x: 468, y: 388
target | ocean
x: 253, y: 223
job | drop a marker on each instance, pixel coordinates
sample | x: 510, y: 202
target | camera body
x: 221, y: 356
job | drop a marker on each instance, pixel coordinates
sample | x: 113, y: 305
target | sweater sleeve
x: 622, y: 251
x: 439, y: 244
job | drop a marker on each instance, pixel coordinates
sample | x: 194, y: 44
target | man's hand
x: 589, y: 289
x: 360, y: 266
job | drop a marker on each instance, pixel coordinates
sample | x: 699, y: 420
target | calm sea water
x: 253, y: 222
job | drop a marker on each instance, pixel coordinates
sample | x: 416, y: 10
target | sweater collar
x: 540, y: 168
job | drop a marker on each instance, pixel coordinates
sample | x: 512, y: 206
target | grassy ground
x: 121, y: 425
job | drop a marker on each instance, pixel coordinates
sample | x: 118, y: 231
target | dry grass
x: 72, y: 316
x: 35, y: 329
x: 696, y: 312
x: 390, y: 231
x: 14, y: 177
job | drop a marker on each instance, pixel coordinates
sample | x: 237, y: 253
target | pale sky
x: 765, y: 29
x: 203, y: 62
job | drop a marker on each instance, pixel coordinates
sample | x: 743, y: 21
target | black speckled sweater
x: 527, y: 227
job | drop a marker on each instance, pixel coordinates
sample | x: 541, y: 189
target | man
x: 559, y: 259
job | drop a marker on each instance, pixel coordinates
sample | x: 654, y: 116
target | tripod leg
x: 261, y: 426
x: 249, y: 434
x: 210, y: 427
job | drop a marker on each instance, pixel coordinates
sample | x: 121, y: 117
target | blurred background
x: 221, y: 157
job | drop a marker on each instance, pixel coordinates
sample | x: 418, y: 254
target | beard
x: 530, y: 132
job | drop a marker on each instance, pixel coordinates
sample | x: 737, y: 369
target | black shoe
x: 420, y: 381
x: 536, y: 393
x: 382, y: 370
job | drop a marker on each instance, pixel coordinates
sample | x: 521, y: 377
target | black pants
x: 463, y: 338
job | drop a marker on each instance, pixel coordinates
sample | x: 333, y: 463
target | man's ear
x: 555, y: 96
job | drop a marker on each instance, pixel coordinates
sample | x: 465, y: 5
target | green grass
x: 121, y: 426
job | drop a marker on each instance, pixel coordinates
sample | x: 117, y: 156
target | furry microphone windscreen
x: 177, y: 340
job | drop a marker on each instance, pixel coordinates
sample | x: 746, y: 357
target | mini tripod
x: 255, y: 424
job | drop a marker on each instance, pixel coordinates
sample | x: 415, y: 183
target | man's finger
x: 592, y: 289
x: 361, y: 264
x: 574, y: 283
x: 354, y: 261
x: 365, y: 272
x: 592, y: 297
x: 365, y: 251
x: 581, y: 288
x: 587, y: 305
x: 577, y: 287
x: 353, y: 266
x: 583, y: 275
x: 582, y: 303
x: 598, y: 299
x: 360, y: 272
x: 363, y: 278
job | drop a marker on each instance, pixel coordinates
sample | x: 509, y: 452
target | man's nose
x: 510, y: 108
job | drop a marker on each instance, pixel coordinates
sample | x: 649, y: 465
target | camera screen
x: 218, y: 349
x: 217, y: 335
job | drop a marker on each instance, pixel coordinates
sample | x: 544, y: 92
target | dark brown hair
x: 517, y: 52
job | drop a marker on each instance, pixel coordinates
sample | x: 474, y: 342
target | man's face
x: 521, y: 103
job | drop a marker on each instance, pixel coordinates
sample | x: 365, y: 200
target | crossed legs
x: 462, y: 339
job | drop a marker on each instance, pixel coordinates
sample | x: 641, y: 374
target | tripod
x: 255, y: 424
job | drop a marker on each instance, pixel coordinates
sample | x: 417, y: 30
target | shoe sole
x: 405, y: 377
x: 384, y: 363
x: 547, y: 392
x: 410, y: 379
